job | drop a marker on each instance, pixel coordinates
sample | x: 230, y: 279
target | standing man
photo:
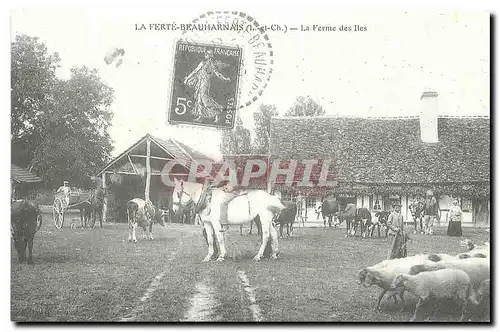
x: 64, y: 190
x: 431, y: 212
x: 395, y: 223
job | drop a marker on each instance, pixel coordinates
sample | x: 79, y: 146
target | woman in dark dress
x: 455, y: 220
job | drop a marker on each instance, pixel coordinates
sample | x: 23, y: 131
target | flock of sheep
x: 464, y: 277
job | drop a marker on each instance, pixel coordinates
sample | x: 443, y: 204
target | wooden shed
x: 141, y: 168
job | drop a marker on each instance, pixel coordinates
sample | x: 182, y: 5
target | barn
x: 23, y: 183
x: 379, y: 161
x: 139, y: 171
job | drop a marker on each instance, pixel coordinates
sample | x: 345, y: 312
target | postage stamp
x: 205, y: 84
x: 229, y: 30
x: 256, y: 148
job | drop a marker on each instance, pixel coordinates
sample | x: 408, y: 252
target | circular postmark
x: 234, y: 28
x: 223, y: 62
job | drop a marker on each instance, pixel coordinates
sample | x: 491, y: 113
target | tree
x: 33, y: 77
x: 62, y: 132
x: 228, y: 145
x: 237, y: 141
x: 305, y: 106
x: 243, y: 138
x: 262, y: 121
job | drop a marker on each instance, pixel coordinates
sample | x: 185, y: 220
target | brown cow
x: 26, y: 220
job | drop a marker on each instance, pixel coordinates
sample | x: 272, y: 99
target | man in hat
x: 64, y: 191
x: 395, y: 223
x: 431, y: 212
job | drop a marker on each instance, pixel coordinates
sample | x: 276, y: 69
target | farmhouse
x: 139, y: 172
x: 378, y: 161
x: 23, y: 183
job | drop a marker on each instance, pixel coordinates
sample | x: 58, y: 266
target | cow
x: 382, y: 217
x: 349, y: 215
x: 143, y: 213
x: 287, y: 217
x: 26, y: 220
x: 355, y: 217
x: 364, y: 218
x: 330, y: 209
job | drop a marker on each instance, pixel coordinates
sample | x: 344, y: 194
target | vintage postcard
x: 261, y: 162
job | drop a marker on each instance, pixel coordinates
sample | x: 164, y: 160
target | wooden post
x: 148, y: 169
x: 105, y: 201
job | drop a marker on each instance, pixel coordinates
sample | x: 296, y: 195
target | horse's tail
x: 274, y: 204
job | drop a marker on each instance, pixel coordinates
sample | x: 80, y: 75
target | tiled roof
x: 22, y: 175
x: 381, y: 150
x: 195, y: 154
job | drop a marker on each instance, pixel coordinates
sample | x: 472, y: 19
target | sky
x: 379, y: 72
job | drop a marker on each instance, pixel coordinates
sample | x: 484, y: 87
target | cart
x: 62, y: 204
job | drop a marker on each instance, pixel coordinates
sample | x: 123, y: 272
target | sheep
x: 469, y: 244
x: 482, y: 293
x: 481, y: 299
x: 482, y: 251
x: 445, y: 283
x: 383, y: 273
x: 440, y: 257
x: 478, y: 269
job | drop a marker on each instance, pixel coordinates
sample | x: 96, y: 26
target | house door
x: 310, y: 203
x: 481, y: 213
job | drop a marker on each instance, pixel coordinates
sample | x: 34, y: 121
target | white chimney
x: 429, y: 117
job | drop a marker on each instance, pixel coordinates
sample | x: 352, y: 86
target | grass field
x: 96, y: 275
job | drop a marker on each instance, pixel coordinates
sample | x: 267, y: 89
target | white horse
x: 241, y: 210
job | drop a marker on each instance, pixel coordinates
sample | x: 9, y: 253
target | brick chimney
x: 429, y: 117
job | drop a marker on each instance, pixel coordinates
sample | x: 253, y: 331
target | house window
x: 466, y: 204
x: 311, y: 202
x: 394, y: 199
x: 377, y: 203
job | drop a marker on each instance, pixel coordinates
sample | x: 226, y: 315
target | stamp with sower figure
x: 205, y: 86
x: 222, y: 64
